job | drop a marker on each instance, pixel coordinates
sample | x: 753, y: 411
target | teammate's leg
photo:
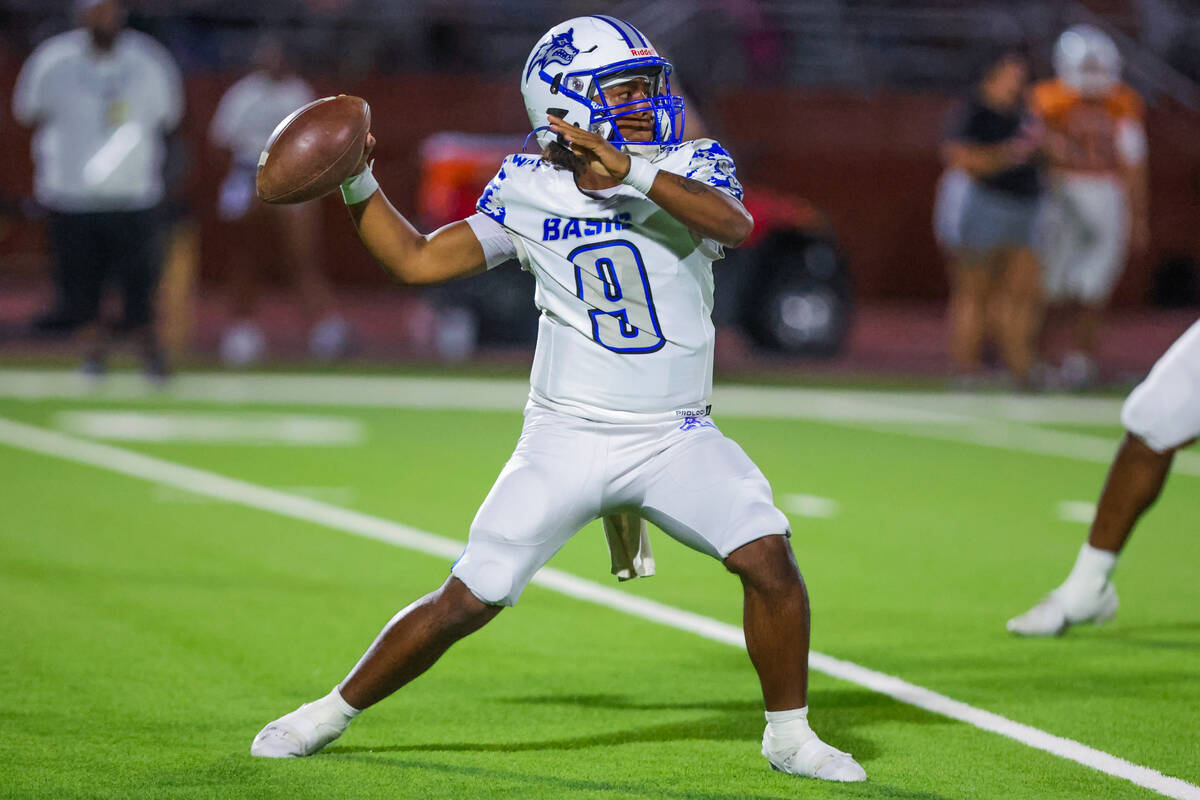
x: 1161, y: 415
x: 1134, y: 482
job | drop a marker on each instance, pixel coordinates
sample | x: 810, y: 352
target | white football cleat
x: 1057, y: 612
x: 813, y: 759
x: 296, y: 735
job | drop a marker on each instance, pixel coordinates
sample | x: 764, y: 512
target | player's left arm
x: 706, y: 211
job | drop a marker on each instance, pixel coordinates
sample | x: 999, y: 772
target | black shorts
x: 96, y: 247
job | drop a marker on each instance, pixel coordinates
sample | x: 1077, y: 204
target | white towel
x: 628, y: 545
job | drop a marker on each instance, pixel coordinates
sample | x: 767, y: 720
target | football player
x: 1097, y: 205
x: 619, y: 220
x: 1160, y: 416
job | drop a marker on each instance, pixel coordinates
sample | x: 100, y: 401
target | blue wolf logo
x: 560, y: 49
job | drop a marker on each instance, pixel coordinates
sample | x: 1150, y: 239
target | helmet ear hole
x: 560, y: 113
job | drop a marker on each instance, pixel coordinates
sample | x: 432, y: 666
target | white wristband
x: 359, y: 188
x: 641, y: 174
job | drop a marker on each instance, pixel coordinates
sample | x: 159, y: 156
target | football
x: 313, y: 149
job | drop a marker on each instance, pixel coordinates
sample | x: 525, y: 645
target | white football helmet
x: 575, y: 59
x: 1086, y: 58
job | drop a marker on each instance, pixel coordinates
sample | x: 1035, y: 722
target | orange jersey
x: 1082, y: 131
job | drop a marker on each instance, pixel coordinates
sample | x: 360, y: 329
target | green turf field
x: 148, y: 632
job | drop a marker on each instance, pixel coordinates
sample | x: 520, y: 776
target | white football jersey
x: 625, y: 289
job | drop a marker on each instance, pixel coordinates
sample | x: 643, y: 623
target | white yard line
x: 1024, y: 438
x: 999, y: 421
x: 809, y: 505
x: 1077, y: 511
x: 126, y: 462
x: 390, y: 391
x: 195, y: 427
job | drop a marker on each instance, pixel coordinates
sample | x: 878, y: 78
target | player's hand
x: 368, y: 146
x: 597, y: 152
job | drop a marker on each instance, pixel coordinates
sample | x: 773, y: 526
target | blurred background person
x: 989, y: 224
x: 1098, y: 199
x: 244, y: 120
x: 101, y: 100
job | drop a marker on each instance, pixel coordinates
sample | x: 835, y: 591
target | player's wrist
x: 359, y: 188
x: 641, y: 175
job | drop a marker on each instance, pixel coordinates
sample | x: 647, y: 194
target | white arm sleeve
x: 498, y: 245
x: 1131, y: 141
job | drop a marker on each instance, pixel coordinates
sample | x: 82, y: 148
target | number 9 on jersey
x: 611, y: 278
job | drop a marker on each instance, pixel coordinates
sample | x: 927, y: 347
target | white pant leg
x: 549, y: 489
x: 1104, y: 211
x: 1084, y: 234
x: 1164, y: 409
x: 704, y: 491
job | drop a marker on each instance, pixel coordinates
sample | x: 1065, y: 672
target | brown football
x: 314, y: 149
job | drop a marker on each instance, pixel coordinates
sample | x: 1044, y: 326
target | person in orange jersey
x: 1097, y: 206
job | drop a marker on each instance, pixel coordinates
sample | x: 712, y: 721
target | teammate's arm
x: 706, y: 211
x: 452, y: 252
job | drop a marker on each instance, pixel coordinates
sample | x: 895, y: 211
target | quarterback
x: 619, y: 220
x: 1160, y: 416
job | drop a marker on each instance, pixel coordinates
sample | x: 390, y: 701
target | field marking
x: 996, y: 420
x: 1077, y: 511
x: 1024, y: 438
x: 191, y: 427
x: 509, y: 394
x: 809, y: 505
x: 335, y: 495
x: 159, y: 471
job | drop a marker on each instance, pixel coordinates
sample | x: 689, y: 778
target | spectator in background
x: 1098, y: 199
x: 994, y: 272
x: 101, y: 100
x: 244, y: 120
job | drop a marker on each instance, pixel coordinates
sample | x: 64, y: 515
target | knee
x: 489, y: 572
x: 460, y: 608
x: 766, y: 564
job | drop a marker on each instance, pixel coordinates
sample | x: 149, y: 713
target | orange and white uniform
x: 1091, y: 141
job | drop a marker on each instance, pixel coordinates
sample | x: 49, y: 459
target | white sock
x: 788, y: 728
x: 1093, y: 568
x: 333, y: 709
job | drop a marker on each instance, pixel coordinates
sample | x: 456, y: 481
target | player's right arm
x: 451, y: 252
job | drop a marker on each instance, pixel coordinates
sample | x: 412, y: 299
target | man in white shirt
x: 244, y: 120
x: 101, y: 99
x: 619, y: 221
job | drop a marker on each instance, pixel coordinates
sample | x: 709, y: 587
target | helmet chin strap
x: 646, y: 151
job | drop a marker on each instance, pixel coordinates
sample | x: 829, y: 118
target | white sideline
x: 126, y: 462
x: 997, y: 421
